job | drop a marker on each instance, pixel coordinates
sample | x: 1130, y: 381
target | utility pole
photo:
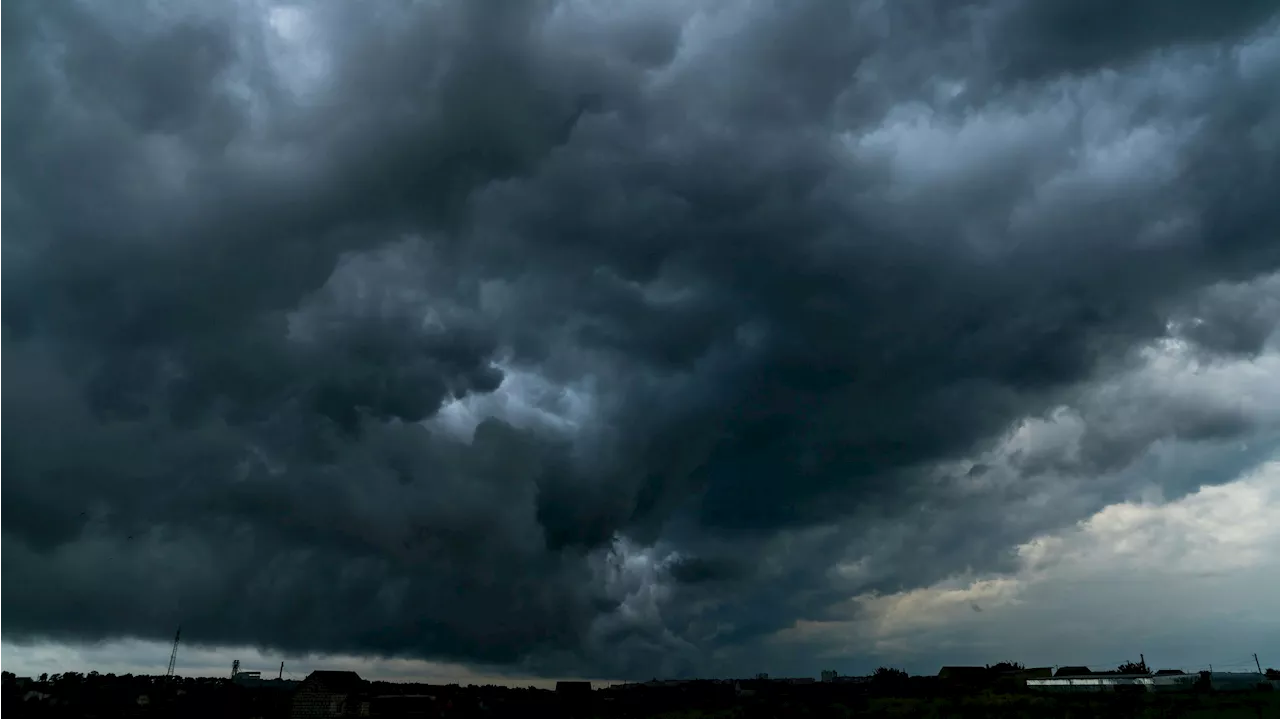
x: 1255, y: 662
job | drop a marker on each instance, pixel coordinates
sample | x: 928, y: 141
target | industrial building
x: 1218, y: 681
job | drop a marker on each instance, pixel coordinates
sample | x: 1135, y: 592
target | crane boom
x: 173, y: 656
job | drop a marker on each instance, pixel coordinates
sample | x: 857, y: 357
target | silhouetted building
x: 330, y: 694
x: 1115, y: 682
x: 251, y: 682
x: 573, y: 688
x: 1073, y: 672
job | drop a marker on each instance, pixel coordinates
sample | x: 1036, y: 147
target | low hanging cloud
x: 609, y: 341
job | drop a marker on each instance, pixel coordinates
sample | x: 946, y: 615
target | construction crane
x: 173, y: 656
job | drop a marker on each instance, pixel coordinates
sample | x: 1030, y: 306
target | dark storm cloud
x: 1233, y: 318
x: 775, y: 265
x: 1071, y: 36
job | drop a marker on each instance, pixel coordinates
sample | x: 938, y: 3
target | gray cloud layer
x: 708, y: 282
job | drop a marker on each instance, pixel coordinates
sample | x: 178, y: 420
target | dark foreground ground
x: 1243, y: 706
x: 193, y: 698
x: 1250, y: 705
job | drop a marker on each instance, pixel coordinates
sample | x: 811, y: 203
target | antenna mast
x: 173, y: 656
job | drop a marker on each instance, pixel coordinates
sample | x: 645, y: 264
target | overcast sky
x: 523, y: 340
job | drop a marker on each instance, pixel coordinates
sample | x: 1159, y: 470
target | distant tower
x: 173, y: 656
x: 235, y: 668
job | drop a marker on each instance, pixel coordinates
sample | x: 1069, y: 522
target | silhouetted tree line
x: 1139, y: 667
x: 887, y: 675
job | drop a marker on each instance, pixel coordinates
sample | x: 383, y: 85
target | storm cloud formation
x: 590, y: 337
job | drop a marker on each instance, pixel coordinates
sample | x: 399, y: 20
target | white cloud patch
x: 1187, y: 582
